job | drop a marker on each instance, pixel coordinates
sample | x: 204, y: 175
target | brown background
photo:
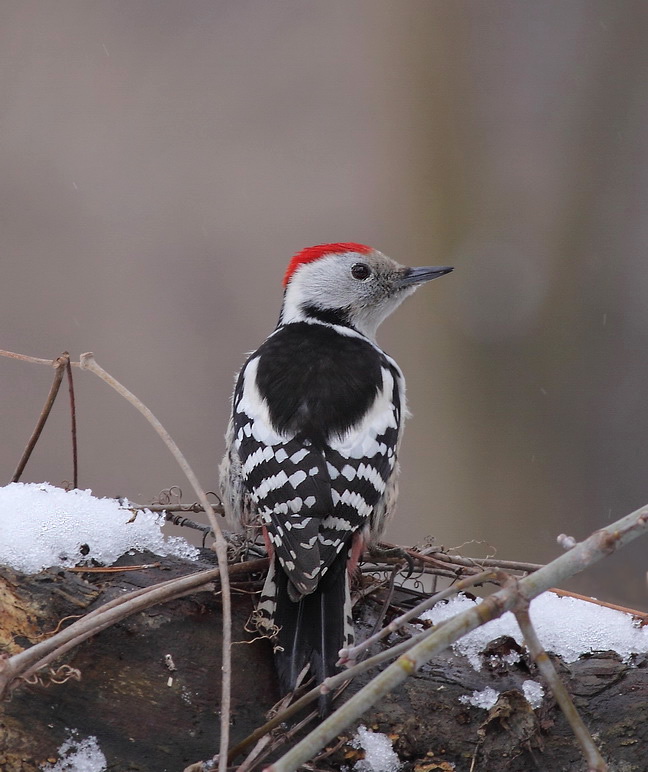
x: 161, y: 161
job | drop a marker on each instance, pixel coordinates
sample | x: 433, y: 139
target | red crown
x: 310, y: 254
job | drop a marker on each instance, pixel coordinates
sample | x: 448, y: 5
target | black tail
x: 313, y: 629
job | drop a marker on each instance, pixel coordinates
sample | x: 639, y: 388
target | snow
x: 487, y: 698
x: 509, y: 659
x: 533, y: 692
x: 566, y: 626
x: 484, y: 699
x: 79, y: 756
x: 42, y: 525
x: 379, y: 754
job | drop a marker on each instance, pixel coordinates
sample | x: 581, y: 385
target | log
x: 149, y: 717
x: 145, y: 716
x: 432, y: 729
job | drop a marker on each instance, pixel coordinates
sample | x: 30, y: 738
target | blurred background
x: 161, y: 162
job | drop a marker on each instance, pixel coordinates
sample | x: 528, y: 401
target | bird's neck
x: 339, y: 319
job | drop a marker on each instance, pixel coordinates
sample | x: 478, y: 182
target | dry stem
x: 545, y: 666
x: 60, y: 363
x: 73, y: 426
x: 595, y: 548
x: 88, y: 363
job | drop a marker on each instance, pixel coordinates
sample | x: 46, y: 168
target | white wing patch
x: 360, y: 440
x: 256, y: 408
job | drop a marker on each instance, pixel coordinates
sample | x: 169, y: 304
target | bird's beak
x: 419, y: 275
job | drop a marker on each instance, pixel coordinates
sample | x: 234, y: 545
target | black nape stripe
x: 328, y: 315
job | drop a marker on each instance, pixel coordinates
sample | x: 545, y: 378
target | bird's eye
x: 360, y: 271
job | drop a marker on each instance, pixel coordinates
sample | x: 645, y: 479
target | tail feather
x: 313, y: 629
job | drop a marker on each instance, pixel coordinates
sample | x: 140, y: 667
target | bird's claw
x: 381, y: 553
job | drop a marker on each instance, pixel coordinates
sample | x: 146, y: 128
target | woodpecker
x: 312, y: 446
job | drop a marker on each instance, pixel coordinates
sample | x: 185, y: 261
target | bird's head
x: 349, y: 284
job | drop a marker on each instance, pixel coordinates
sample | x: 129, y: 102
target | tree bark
x: 149, y: 717
x: 432, y: 729
x: 145, y: 716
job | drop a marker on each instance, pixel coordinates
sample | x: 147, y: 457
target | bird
x: 312, y: 447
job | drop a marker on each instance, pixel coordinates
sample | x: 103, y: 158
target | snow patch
x: 508, y: 659
x: 487, y: 698
x: 379, y: 754
x: 484, y: 699
x: 79, y: 756
x: 534, y: 693
x: 42, y: 525
x: 566, y: 626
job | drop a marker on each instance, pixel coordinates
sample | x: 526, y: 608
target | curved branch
x: 88, y: 363
x: 598, y: 546
x: 60, y: 363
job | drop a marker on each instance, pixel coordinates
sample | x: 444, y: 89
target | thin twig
x: 185, y: 522
x: 508, y: 565
x: 477, y: 563
x: 111, y: 569
x: 73, y: 426
x: 640, y: 616
x: 431, y: 568
x: 174, y: 519
x: 32, y: 360
x: 351, y: 654
x: 194, y: 508
x: 600, y: 544
x: 60, y: 364
x: 545, y: 666
x: 386, y: 603
x: 447, y: 564
x: 88, y: 363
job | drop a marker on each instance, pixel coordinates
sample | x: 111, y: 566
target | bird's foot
x: 380, y: 553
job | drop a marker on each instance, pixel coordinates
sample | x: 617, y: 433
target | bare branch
x: 545, y: 666
x: 60, y: 363
x: 438, y: 553
x: 88, y: 363
x: 595, y: 548
x: 73, y: 426
x: 32, y: 360
x: 351, y: 654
